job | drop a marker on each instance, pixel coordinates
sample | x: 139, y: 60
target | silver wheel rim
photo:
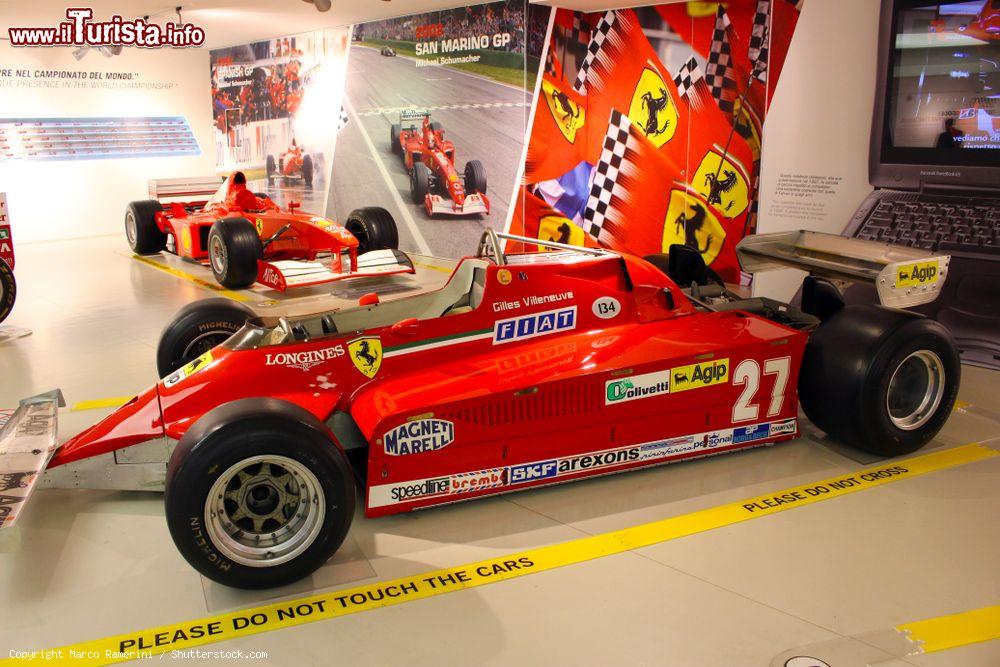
x: 217, y: 255
x: 915, y: 390
x: 265, y: 510
x: 130, y: 228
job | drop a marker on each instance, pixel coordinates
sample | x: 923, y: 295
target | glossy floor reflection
x: 840, y: 574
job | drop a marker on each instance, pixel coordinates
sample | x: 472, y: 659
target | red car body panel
x: 566, y: 369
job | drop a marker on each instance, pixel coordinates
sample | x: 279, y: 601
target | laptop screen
x: 942, y: 98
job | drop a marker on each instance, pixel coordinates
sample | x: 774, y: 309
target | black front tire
x: 394, y: 133
x: 196, y: 329
x: 232, y: 435
x: 307, y: 170
x: 233, y: 250
x: 862, y: 375
x: 269, y: 166
x: 8, y: 290
x: 420, y: 182
x: 475, y: 177
x: 144, y: 236
x: 374, y: 228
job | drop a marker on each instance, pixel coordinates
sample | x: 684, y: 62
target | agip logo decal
x: 696, y: 376
x: 921, y: 273
x: 366, y: 354
x: 691, y: 222
x: 567, y: 114
x: 421, y: 435
x: 723, y: 184
x: 652, y: 110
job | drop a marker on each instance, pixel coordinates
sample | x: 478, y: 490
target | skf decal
x: 366, y: 354
x: 560, y: 230
x: 421, y: 435
x: 567, y: 114
x: 504, y: 277
x: 304, y: 360
x: 534, y: 325
x: 652, y: 110
x: 690, y: 222
x: 637, y: 386
x: 696, y: 376
x: 921, y: 273
x: 530, y: 472
x: 188, y: 370
x: 723, y: 184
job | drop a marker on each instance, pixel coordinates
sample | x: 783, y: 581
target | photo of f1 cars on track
x: 244, y: 237
x: 293, y: 164
x: 261, y: 485
x: 8, y: 285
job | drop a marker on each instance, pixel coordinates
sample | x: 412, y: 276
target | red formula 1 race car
x: 8, y: 286
x: 293, y: 164
x: 430, y: 161
x: 522, y: 370
x: 246, y: 238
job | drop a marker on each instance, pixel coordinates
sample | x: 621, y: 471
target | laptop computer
x: 935, y: 158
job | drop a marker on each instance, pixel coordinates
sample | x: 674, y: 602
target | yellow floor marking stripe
x: 244, y: 622
x: 433, y: 267
x: 954, y: 630
x: 235, y: 296
x: 97, y: 404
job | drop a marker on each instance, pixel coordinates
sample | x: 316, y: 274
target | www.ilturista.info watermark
x: 79, y: 30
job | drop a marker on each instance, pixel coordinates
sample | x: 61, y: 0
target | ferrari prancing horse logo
x: 366, y: 354
x: 568, y: 115
x: 652, y: 110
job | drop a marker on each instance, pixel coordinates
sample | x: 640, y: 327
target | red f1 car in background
x: 8, y: 286
x: 430, y: 161
x: 246, y: 238
x: 523, y: 370
x: 291, y: 165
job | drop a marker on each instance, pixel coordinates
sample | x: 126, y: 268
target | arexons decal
x: 637, y: 386
x: 696, y: 376
x: 534, y: 325
x: 599, y: 460
x: 421, y: 435
x: 304, y: 360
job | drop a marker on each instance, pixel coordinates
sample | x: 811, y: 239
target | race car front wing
x: 285, y: 274
x: 474, y: 203
x: 28, y: 439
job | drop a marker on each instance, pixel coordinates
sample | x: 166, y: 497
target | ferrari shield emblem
x: 366, y: 354
x: 259, y: 224
x: 186, y: 238
x: 652, y: 110
x: 690, y: 222
x: 698, y: 10
x: 559, y: 229
x: 723, y: 184
x: 567, y: 114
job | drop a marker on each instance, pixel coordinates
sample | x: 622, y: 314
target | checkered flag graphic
x: 760, y: 40
x: 600, y: 34
x: 719, y: 68
x: 606, y: 173
x: 688, y: 75
x: 343, y: 120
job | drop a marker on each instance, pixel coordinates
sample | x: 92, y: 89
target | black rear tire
x: 307, y: 170
x: 863, y: 373
x: 374, y: 228
x: 233, y: 250
x: 420, y: 182
x: 475, y: 177
x: 8, y: 290
x: 229, y: 437
x: 394, y: 133
x: 436, y: 126
x: 269, y: 166
x: 144, y: 236
x: 196, y: 329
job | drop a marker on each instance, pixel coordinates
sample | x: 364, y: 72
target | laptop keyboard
x: 946, y: 224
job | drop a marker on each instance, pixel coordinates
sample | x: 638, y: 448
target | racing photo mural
x: 648, y: 129
x: 272, y: 104
x: 437, y: 107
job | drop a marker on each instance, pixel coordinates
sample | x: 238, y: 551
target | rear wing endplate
x: 169, y: 188
x: 413, y: 114
x: 904, y: 277
x: 28, y: 439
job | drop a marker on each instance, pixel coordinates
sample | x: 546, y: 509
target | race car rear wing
x: 904, y: 277
x: 413, y: 114
x: 177, y: 188
x: 28, y: 439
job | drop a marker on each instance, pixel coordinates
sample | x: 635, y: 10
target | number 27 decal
x: 747, y: 375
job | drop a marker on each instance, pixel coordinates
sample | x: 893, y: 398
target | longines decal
x: 421, y: 435
x: 304, y: 360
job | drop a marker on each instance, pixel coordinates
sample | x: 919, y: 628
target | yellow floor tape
x: 236, y: 296
x: 97, y: 404
x: 954, y: 630
x: 434, y: 267
x: 245, y: 622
